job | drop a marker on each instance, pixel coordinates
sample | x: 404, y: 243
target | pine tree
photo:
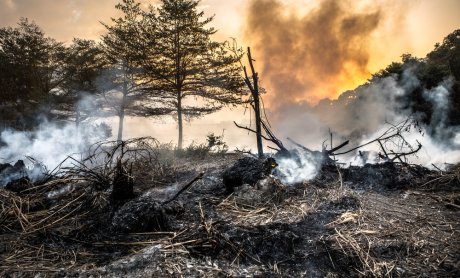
x: 83, y: 65
x: 31, y: 72
x: 123, y: 50
x: 191, y: 74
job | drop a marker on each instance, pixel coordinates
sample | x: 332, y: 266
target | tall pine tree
x: 190, y: 73
x: 123, y: 82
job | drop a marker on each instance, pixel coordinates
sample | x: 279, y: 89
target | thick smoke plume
x: 308, y: 59
x: 310, y: 56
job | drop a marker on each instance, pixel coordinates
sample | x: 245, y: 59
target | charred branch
x: 254, y: 88
x: 393, y: 135
x: 331, y: 151
x: 199, y: 177
x: 399, y: 155
x: 270, y: 136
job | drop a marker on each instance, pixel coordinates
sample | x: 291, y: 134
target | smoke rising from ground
x: 365, y: 113
x: 51, y: 143
x: 307, y: 59
x: 311, y: 56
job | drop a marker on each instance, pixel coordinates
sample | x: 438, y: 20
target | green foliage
x: 214, y: 145
x: 194, y: 151
x: 394, y: 68
x: 448, y: 53
x: 84, y: 63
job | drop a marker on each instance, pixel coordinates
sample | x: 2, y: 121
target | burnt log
x: 144, y: 215
x: 247, y: 170
x: 19, y: 185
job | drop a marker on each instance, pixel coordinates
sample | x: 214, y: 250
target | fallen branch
x: 331, y: 151
x: 390, y: 135
x: 199, y: 177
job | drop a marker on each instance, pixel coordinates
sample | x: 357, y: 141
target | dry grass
x: 289, y: 211
x: 388, y: 234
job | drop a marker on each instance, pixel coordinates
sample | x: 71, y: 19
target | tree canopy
x: 183, y: 62
x: 31, y: 66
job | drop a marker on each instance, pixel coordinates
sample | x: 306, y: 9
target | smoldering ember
x: 360, y: 183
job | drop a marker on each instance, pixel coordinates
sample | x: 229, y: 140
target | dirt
x: 385, y: 220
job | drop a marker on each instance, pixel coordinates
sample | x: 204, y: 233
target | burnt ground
x: 386, y: 220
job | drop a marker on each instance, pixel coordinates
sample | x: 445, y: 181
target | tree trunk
x: 121, y: 113
x: 121, y: 118
x: 254, y: 88
x: 179, y: 121
x: 260, y: 150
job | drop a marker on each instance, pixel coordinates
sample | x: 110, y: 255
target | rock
x: 247, y: 170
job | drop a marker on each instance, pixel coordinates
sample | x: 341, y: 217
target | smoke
x: 439, y: 140
x: 354, y: 114
x: 51, y: 143
x: 367, y: 112
x: 301, y: 166
x: 439, y: 98
x: 310, y: 56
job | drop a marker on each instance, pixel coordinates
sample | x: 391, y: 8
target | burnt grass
x: 385, y: 220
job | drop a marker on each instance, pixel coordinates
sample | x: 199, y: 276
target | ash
x: 239, y: 220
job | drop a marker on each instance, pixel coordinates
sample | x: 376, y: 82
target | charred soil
x: 386, y: 220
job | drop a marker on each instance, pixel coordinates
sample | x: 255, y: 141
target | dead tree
x: 254, y: 88
x: 123, y: 183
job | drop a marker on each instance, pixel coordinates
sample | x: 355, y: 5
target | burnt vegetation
x: 137, y: 208
x: 140, y: 208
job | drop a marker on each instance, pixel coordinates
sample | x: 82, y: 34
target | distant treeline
x: 442, y: 65
x: 426, y: 89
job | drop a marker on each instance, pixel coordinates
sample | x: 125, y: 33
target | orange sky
x: 409, y: 26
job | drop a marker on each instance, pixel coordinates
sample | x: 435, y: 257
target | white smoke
x: 440, y: 149
x: 431, y: 152
x: 300, y: 166
x: 363, y: 115
x: 49, y: 144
